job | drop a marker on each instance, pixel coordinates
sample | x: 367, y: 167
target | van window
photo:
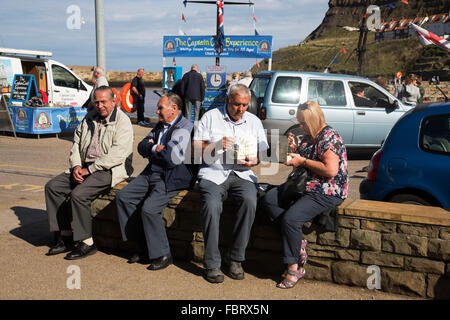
x: 435, y: 134
x: 372, y: 97
x: 287, y: 90
x: 259, y: 86
x: 327, y: 92
x: 63, y: 78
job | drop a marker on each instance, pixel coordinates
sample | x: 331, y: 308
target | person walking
x: 138, y: 95
x: 193, y: 91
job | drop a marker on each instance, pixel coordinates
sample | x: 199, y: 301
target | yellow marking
x: 29, y: 167
x: 8, y: 186
x: 33, y: 188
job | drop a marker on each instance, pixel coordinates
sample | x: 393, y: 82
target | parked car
x: 413, y: 165
x: 277, y: 95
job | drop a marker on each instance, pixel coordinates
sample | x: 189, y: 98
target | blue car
x: 413, y: 165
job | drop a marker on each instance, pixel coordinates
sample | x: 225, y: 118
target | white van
x: 62, y: 86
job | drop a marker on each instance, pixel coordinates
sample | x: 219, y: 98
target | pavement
x: 27, y: 163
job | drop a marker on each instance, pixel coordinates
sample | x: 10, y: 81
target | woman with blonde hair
x: 323, y: 154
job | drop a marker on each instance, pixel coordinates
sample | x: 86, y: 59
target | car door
x: 372, y: 120
x: 330, y: 95
x: 65, y: 87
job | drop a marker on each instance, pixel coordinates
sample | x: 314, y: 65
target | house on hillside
x: 438, y: 24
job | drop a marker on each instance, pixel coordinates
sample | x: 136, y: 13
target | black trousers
x: 67, y: 200
x: 139, y: 104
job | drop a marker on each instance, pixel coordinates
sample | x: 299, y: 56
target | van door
x: 373, y: 115
x: 65, y: 87
x: 330, y: 95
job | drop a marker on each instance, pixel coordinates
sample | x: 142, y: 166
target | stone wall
x: 409, y: 245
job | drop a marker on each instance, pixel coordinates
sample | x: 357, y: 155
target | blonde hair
x: 313, y: 116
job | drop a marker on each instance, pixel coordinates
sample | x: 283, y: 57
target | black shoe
x: 234, y: 269
x: 160, y: 263
x: 82, y: 251
x: 139, y: 257
x: 62, y: 244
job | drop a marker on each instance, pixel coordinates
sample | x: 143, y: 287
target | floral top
x: 328, y: 139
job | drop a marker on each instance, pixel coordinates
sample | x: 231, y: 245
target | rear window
x: 435, y: 134
x: 259, y: 86
x: 327, y: 92
x: 287, y: 90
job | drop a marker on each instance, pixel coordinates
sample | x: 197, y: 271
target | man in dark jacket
x: 165, y: 175
x: 193, y: 91
x: 138, y: 94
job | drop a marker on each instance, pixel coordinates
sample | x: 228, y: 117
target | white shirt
x: 216, y: 124
x: 246, y: 81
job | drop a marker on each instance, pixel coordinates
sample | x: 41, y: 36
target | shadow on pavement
x: 33, y: 226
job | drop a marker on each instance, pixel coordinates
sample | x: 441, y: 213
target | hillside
x: 318, y: 50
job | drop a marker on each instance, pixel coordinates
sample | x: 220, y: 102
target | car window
x: 327, y: 92
x: 287, y: 90
x: 259, y: 86
x: 369, y: 97
x: 435, y: 134
x: 63, y: 78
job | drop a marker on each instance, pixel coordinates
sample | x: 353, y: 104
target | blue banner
x: 46, y: 120
x: 204, y: 46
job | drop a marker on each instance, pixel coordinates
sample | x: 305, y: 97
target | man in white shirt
x: 230, y: 139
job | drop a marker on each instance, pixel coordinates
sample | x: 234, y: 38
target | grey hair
x: 105, y: 88
x: 174, y: 99
x: 236, y: 88
x: 100, y: 70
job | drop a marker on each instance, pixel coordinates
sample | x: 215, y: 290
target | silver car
x: 362, y: 120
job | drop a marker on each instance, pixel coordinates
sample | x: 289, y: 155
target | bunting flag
x: 257, y: 64
x: 221, y: 33
x: 426, y: 37
x: 343, y: 50
x: 405, y: 1
x: 183, y: 18
x: 256, y: 33
x: 254, y: 18
x: 174, y: 62
x: 335, y: 61
x: 391, y: 5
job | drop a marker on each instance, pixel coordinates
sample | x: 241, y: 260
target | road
x: 27, y: 163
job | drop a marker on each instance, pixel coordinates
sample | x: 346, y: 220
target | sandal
x: 303, y: 254
x: 288, y: 284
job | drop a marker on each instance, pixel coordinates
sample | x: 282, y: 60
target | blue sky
x: 134, y: 29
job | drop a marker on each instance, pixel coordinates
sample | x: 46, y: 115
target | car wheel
x: 409, y: 199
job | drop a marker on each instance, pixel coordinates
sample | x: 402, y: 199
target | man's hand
x: 159, y: 148
x: 78, y: 174
x: 151, y: 141
x: 248, y: 162
x: 227, y: 142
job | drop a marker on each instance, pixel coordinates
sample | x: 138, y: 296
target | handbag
x: 295, y: 185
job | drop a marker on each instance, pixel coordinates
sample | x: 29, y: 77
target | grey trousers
x: 243, y: 193
x: 68, y: 201
x: 187, y: 111
x: 148, y: 191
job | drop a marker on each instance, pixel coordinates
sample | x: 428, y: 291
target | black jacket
x: 193, y: 86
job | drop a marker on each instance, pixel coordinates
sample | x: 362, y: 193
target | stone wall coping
x: 408, y: 213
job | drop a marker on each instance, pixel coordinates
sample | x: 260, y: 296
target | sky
x: 135, y: 29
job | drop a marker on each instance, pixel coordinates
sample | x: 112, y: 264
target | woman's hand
x: 292, y: 142
x: 294, y: 160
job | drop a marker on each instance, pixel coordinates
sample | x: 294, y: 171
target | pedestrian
x: 99, y: 80
x: 138, y: 95
x: 248, y: 78
x: 408, y: 92
x: 144, y: 198
x: 224, y: 172
x: 234, y: 80
x: 99, y: 159
x: 323, y: 154
x: 193, y: 91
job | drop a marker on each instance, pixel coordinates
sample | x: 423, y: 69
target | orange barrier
x: 126, y: 99
x: 116, y: 97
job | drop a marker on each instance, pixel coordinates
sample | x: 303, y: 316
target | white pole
x: 100, y: 33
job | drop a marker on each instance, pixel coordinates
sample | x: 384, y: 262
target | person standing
x: 193, y: 91
x: 165, y: 175
x: 408, y: 92
x: 99, y: 80
x: 248, y: 78
x: 100, y: 158
x: 220, y: 175
x: 138, y: 94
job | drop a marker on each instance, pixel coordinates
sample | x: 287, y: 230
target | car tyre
x: 410, y: 199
